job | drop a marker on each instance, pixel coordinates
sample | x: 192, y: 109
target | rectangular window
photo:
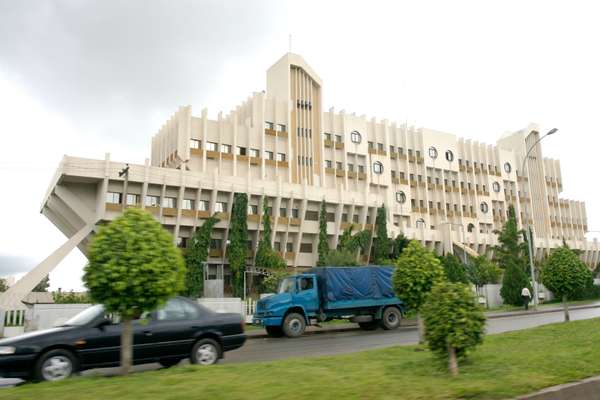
x: 393, y: 174
x: 355, y: 218
x: 269, y: 155
x: 195, y: 144
x: 133, y: 199
x: 252, y: 209
x: 380, y: 146
x: 182, y: 242
x: 216, y: 244
x: 188, y: 204
x: 283, y: 212
x: 361, y: 169
x: 241, y: 151
x: 371, y: 145
x: 269, y: 125
x: 113, y: 198
x: 311, y: 215
x: 221, y: 206
x: 226, y: 148
x: 295, y: 213
x: 402, y: 175
x: 339, y: 165
x: 203, y: 205
x: 306, y: 247
x: 328, y: 164
x: 400, y: 150
x: 280, y: 128
x: 170, y: 202
x: 327, y: 136
x: 277, y: 246
x: 350, y: 167
x: 280, y: 156
x: 152, y: 201
x: 289, y: 247
x: 254, y: 153
x: 345, y: 217
x: 211, y: 146
x: 418, y: 153
x: 330, y: 217
x: 392, y: 149
x: 338, y: 138
x: 410, y: 152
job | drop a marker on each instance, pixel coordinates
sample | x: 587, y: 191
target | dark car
x: 181, y: 329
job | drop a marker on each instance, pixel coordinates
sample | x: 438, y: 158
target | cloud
x: 12, y: 264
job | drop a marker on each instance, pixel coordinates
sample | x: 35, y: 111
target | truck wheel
x: 294, y: 325
x: 368, y: 326
x: 391, y: 318
x: 274, y: 331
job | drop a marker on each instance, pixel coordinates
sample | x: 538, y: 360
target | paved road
x: 352, y: 341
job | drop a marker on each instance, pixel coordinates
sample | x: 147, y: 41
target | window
x: 195, y: 144
x: 380, y: 146
x: 254, y: 153
x: 449, y: 156
x: 133, y: 199
x: 312, y: 215
x: 280, y: 156
x: 152, y: 201
x: 339, y: 166
x: 420, y: 223
x: 306, y: 247
x: 327, y: 136
x: 211, y: 146
x: 371, y: 145
x: 433, y: 153
x: 328, y: 164
x: 221, y: 206
x: 280, y: 128
x: 507, y: 168
x: 289, y: 247
x: 170, y: 202
x: 377, y: 167
x: 392, y: 149
x: 350, y: 167
x: 355, y: 218
x: 283, y: 212
x: 295, y: 213
x: 338, y: 138
x: 187, y: 204
x: 393, y: 174
x: 401, y: 197
x: 305, y: 283
x: 216, y: 244
x: 355, y: 137
x: 252, y: 209
x: 361, y: 169
x: 269, y: 125
x: 470, y: 228
x: 330, y: 217
x: 203, y: 205
x: 277, y: 246
x: 226, y: 148
x: 177, y: 309
x: 484, y: 207
x: 182, y: 242
x: 113, y: 198
x: 241, y: 151
x: 269, y: 155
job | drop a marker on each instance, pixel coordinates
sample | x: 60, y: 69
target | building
x: 450, y: 193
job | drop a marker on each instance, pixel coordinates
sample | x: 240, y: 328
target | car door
x: 306, y: 294
x: 102, y: 344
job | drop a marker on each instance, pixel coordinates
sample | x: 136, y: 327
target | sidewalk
x: 586, y: 389
x: 410, y: 323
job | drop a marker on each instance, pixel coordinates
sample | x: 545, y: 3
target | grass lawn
x: 505, y: 365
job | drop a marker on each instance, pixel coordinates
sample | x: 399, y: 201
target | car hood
x: 34, y: 335
x: 273, y: 301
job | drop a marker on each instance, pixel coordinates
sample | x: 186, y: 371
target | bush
x: 513, y: 282
x: 454, y: 323
x: 271, y: 282
x: 455, y: 270
x: 71, y: 298
x: 340, y: 258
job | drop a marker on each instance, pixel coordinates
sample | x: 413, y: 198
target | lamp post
x: 529, y: 231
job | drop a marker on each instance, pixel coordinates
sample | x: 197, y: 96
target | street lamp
x: 529, y: 231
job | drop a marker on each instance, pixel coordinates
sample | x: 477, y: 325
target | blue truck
x: 360, y: 294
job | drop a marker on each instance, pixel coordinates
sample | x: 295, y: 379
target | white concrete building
x: 280, y: 145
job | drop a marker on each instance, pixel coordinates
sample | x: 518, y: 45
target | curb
x: 585, y: 389
x: 412, y: 323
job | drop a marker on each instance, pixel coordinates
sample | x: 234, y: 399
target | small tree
x: 237, y: 251
x: 399, y: 244
x: 483, y: 271
x: 453, y: 321
x: 455, y: 270
x: 513, y: 282
x: 196, y: 256
x: 417, y: 271
x: 323, y: 243
x: 381, y: 244
x: 133, y: 267
x: 43, y: 285
x: 3, y: 285
x: 271, y: 282
x: 565, y: 275
x: 264, y: 244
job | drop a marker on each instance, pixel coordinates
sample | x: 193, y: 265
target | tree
x: 483, y: 271
x: 270, y: 283
x: 417, y: 271
x: 340, y: 258
x: 3, y: 285
x: 43, y: 285
x: 237, y: 251
x: 70, y: 297
x: 264, y: 245
x: 398, y: 245
x: 381, y: 244
x: 323, y: 248
x: 195, y: 258
x: 133, y: 267
x: 512, y: 256
x: 454, y: 322
x: 455, y: 270
x: 565, y: 275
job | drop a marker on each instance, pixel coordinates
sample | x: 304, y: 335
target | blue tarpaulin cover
x: 355, y: 283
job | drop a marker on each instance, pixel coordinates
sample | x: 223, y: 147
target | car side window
x: 191, y: 312
x: 172, y: 311
x: 306, y: 283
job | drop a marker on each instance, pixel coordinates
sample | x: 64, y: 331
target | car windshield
x: 86, y: 315
x: 287, y: 285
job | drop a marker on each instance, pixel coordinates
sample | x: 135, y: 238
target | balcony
x: 346, y: 225
x: 242, y: 158
x: 413, y: 183
x: 339, y: 173
x: 339, y: 146
x: 382, y: 152
x: 212, y: 155
x: 412, y: 159
x: 223, y: 216
x: 282, y: 134
x: 153, y: 210
x: 328, y: 143
x: 254, y: 160
x: 270, y: 132
x: 215, y: 253
x: 420, y: 160
x: 196, y: 152
x: 393, y: 156
x: 362, y: 176
x: 295, y: 221
x: 396, y: 180
x: 253, y: 218
x: 169, y: 212
x: 188, y: 213
x: 282, y: 164
x: 402, y: 156
x: 461, y: 168
x: 372, y: 151
x: 270, y: 162
x: 330, y: 171
x: 352, y: 174
x: 283, y: 220
x: 226, y: 156
x: 113, y: 207
x: 368, y: 227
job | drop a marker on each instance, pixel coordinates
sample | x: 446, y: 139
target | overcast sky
x: 88, y: 77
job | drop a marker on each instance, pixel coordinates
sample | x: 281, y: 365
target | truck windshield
x: 287, y: 285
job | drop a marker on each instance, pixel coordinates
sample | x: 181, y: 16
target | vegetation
x: 565, y: 275
x: 381, y: 244
x: 511, y: 255
x: 323, y: 242
x: 417, y: 271
x: 504, y: 366
x: 237, y: 250
x: 196, y: 256
x: 3, y: 285
x: 43, y: 285
x: 455, y: 270
x: 454, y: 323
x: 262, y: 258
x: 71, y: 297
x: 398, y: 245
x: 133, y: 267
x: 340, y: 258
x: 271, y: 282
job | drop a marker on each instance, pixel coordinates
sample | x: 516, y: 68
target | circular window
x: 496, y: 187
x: 400, y: 197
x: 449, y: 155
x: 507, y: 168
x: 377, y: 167
x: 484, y: 207
x: 433, y: 152
x: 420, y: 223
x: 355, y: 137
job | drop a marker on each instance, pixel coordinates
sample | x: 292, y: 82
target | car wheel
x: 168, y: 362
x: 391, y: 318
x: 55, y: 365
x: 274, y: 331
x: 205, y: 352
x: 369, y: 326
x: 294, y: 325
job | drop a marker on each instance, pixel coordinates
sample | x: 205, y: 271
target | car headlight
x: 7, y: 350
